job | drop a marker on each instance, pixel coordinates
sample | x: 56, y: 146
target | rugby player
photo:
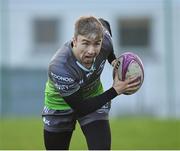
x: 74, y: 91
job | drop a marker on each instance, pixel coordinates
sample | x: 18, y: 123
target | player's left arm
x: 111, y: 57
x: 108, y: 36
x: 108, y: 45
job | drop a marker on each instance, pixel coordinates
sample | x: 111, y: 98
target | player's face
x: 86, y: 50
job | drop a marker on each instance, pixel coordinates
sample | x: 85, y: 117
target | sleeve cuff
x: 112, y: 93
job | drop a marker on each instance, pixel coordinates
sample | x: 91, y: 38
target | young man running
x: 74, y: 90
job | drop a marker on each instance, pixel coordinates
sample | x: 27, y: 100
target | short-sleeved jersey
x: 66, y: 75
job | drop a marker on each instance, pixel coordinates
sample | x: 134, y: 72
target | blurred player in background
x: 74, y: 90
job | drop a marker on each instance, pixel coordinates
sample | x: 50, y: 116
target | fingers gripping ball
x: 130, y: 65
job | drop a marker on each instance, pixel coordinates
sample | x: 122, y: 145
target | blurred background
x: 31, y: 32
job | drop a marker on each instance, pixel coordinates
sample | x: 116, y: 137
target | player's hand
x: 129, y: 84
x: 115, y: 63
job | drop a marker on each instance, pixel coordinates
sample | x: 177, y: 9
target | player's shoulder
x: 107, y: 44
x: 107, y: 35
x: 106, y: 25
x: 62, y: 54
x: 62, y: 62
x: 63, y: 58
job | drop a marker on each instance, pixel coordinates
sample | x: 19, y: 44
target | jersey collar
x: 84, y: 68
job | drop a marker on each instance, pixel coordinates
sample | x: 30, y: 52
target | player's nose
x: 91, y: 50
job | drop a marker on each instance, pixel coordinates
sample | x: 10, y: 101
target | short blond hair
x: 88, y: 26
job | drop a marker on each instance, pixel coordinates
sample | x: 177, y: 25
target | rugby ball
x: 130, y: 65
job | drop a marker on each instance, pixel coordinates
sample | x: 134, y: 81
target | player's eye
x: 98, y: 43
x: 85, y: 43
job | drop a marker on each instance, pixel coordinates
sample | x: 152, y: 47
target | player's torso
x: 88, y: 80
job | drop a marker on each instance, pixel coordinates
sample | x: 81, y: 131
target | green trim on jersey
x: 54, y: 101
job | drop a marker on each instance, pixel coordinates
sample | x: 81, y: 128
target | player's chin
x: 89, y: 61
x: 88, y: 64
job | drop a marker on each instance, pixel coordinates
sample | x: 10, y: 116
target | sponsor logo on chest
x: 61, y: 78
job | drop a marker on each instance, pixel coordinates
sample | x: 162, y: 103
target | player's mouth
x: 89, y: 59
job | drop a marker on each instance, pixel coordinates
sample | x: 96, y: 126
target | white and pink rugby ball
x: 131, y: 65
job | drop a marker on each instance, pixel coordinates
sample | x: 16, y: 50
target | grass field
x: 127, y: 133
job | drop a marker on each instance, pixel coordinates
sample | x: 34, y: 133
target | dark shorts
x: 65, y: 120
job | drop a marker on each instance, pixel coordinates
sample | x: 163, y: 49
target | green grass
x: 127, y: 133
